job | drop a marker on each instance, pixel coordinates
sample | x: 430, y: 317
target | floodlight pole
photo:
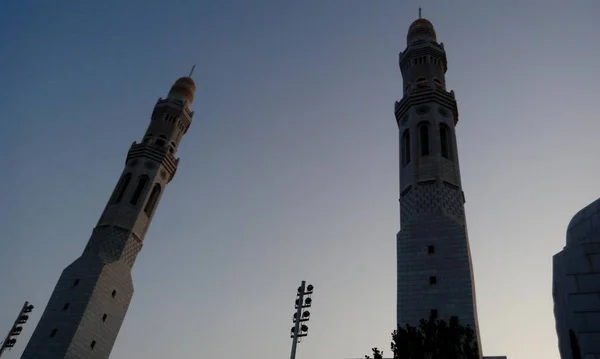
x: 302, y: 315
x: 297, y: 324
x: 6, y: 344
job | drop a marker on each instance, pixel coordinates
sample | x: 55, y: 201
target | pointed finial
x: 192, y: 71
x: 419, y: 12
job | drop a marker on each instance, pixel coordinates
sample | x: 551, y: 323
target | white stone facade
x: 86, y: 310
x: 576, y: 286
x: 435, y: 274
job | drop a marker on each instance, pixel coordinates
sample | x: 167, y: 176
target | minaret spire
x: 192, y: 71
x: 420, y: 12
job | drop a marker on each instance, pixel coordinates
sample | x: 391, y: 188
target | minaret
x: 435, y: 274
x: 90, y: 300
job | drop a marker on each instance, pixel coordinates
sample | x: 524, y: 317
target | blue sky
x: 290, y: 169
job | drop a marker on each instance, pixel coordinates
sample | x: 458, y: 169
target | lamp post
x: 300, y: 329
x: 16, y: 329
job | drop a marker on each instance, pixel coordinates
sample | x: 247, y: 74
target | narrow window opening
x: 152, y: 200
x: 433, y: 280
x: 66, y: 306
x: 421, y: 82
x: 53, y: 333
x: 114, y: 292
x: 138, y: 190
x: 75, y: 282
x: 160, y: 142
x: 104, y: 317
x: 430, y: 249
x: 575, y: 350
x: 93, y: 344
x: 424, y: 129
x: 122, y: 187
x: 405, y: 148
x: 434, y: 313
x: 444, y: 141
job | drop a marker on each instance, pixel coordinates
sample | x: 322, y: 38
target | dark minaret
x: 90, y: 300
x: 435, y: 274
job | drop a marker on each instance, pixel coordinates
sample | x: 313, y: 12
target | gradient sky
x: 290, y: 169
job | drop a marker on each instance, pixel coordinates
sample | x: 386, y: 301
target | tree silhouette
x: 377, y: 354
x: 433, y: 339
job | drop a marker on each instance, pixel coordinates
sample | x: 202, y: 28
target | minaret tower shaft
x: 86, y: 310
x: 435, y: 274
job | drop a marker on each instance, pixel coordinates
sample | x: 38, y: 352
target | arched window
x: 445, y: 142
x: 121, y: 187
x: 152, y: 199
x: 405, y: 148
x: 575, y: 351
x: 141, y: 185
x: 421, y: 82
x: 424, y: 138
x: 438, y: 83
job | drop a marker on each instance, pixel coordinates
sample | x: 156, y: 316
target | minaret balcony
x: 176, y: 104
x: 428, y: 49
x: 420, y: 96
x: 154, y: 153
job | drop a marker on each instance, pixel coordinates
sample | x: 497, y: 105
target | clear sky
x: 290, y: 169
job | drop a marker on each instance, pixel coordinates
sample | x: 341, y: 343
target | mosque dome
x: 420, y: 29
x: 183, y: 89
x: 585, y: 225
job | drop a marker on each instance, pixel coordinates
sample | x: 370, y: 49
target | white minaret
x: 90, y: 300
x: 435, y: 275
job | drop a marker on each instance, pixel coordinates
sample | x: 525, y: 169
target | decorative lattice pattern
x: 113, y: 243
x: 421, y: 198
x: 133, y: 246
x: 452, y: 201
x: 431, y: 197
